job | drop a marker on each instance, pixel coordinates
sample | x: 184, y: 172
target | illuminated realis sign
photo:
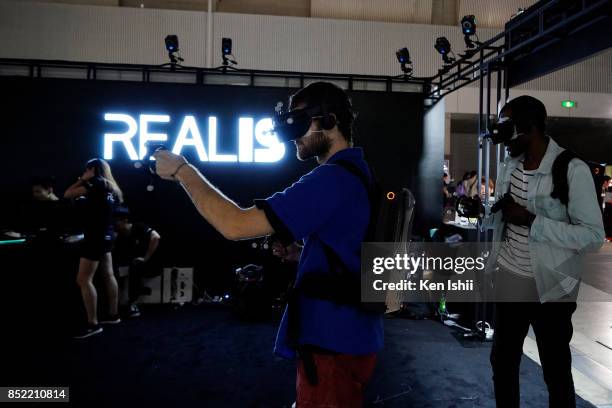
x: 255, y: 141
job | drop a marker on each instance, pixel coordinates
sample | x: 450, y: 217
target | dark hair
x: 102, y: 169
x: 46, y: 182
x: 527, y: 111
x: 333, y: 98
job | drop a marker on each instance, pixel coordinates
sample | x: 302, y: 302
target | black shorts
x: 94, y: 250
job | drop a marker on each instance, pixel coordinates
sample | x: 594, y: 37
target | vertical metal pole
x: 479, y: 152
x: 506, y: 97
x: 487, y: 143
x: 479, y: 313
x: 497, y: 109
x: 209, y: 35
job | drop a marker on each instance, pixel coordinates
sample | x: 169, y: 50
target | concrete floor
x: 592, y: 340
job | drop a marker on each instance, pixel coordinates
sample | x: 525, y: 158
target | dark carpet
x: 202, y: 356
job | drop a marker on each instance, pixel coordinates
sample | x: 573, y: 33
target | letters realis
x: 137, y: 134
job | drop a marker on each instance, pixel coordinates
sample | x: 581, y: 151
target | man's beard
x: 314, y: 145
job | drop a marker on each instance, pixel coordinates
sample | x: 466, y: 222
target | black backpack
x: 391, y: 216
x: 559, y: 174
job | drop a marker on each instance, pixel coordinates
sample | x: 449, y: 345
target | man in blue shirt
x: 327, y: 209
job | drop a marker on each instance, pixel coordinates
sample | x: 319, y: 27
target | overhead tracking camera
x: 226, y: 46
x: 468, y: 26
x: 403, y: 57
x: 443, y: 46
x: 172, y: 45
x: 226, y: 52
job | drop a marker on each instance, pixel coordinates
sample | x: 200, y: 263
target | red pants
x: 341, y: 381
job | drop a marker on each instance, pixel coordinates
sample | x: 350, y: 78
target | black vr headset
x: 503, y: 131
x: 295, y: 123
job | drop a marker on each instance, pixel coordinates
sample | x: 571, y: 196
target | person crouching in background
x: 136, y: 247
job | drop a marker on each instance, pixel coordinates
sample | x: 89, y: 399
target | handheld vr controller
x: 469, y: 207
x: 148, y: 165
x: 152, y: 149
x: 499, y: 204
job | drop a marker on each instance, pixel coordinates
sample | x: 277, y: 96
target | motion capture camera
x: 293, y: 124
x: 503, y: 131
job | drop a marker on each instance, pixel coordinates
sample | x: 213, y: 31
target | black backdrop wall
x: 53, y: 126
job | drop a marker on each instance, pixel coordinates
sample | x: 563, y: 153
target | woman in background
x: 460, y: 187
x: 101, y: 193
x: 470, y: 184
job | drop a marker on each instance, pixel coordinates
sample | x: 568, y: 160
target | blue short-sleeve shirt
x: 329, y: 205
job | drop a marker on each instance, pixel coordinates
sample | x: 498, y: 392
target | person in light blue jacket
x: 538, y: 248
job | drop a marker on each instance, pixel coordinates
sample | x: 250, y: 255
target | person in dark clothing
x: 447, y: 192
x: 136, y: 246
x: 43, y: 214
x: 536, y: 260
x: 42, y: 189
x: 100, y: 193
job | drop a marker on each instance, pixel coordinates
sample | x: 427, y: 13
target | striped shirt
x: 514, y: 253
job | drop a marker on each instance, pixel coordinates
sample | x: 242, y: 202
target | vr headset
x: 295, y: 123
x: 503, y: 131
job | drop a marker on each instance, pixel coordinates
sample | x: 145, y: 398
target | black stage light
x: 443, y: 47
x: 172, y: 43
x: 226, y: 47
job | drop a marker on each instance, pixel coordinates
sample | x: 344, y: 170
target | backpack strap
x: 334, y: 261
x: 559, y: 174
x: 339, y: 284
x: 372, y: 188
x: 357, y: 172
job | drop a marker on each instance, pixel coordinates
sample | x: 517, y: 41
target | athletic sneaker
x: 134, y: 311
x: 89, y: 330
x: 111, y: 319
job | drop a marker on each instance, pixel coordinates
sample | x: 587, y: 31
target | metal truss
x: 174, y: 73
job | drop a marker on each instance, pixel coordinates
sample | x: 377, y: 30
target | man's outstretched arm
x: 223, y: 214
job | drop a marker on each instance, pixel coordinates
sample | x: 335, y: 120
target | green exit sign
x: 568, y: 104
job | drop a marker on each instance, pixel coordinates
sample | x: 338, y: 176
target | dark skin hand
x: 516, y: 214
x: 290, y: 253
